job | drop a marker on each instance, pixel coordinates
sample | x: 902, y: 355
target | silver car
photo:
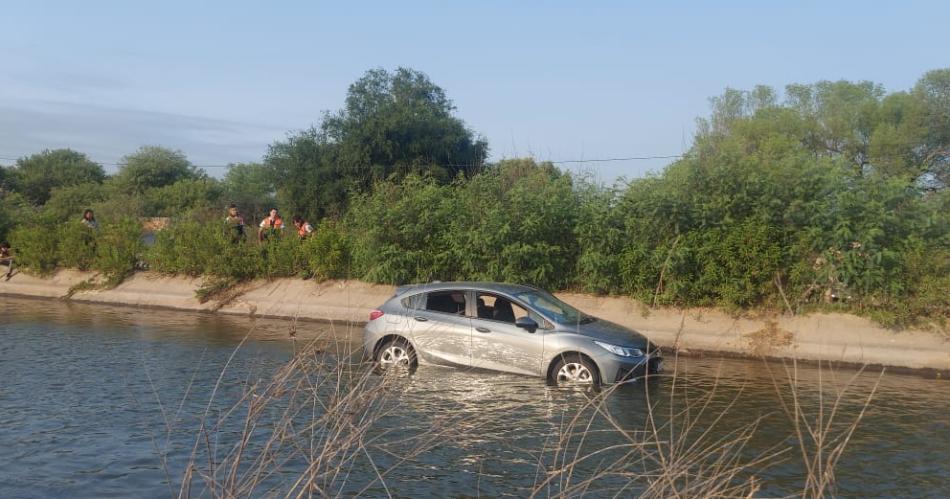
x: 504, y: 327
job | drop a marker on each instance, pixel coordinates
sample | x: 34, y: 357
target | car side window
x: 448, y: 302
x: 498, y: 308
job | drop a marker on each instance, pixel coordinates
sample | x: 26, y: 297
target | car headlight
x: 621, y: 351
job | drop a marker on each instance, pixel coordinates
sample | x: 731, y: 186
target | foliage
x: 183, y: 198
x: 393, y: 124
x: 306, y: 177
x: 327, y: 252
x: 77, y: 246
x: 15, y: 210
x: 37, y: 175
x: 507, y: 223
x: 151, y: 167
x: 199, y: 249
x: 251, y: 187
x: 114, y: 250
x: 35, y: 248
x: 68, y: 203
x: 118, y: 249
x: 401, y: 122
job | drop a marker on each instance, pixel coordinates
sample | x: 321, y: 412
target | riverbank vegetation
x: 832, y: 195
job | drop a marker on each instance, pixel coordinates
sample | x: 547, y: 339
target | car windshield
x: 547, y: 304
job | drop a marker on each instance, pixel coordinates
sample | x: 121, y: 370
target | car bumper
x: 616, y: 369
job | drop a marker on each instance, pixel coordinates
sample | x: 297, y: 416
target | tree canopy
x: 251, y: 187
x: 152, y: 167
x: 37, y: 175
x: 392, y: 124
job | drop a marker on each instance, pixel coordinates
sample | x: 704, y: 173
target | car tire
x: 574, y: 369
x: 396, y: 353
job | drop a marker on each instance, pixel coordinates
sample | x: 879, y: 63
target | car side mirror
x: 527, y: 323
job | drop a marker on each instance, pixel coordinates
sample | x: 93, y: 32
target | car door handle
x: 420, y: 319
x: 483, y: 329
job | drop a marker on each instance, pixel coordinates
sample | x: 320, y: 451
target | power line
x: 563, y: 161
x: 604, y: 160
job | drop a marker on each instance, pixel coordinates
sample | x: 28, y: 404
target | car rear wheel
x: 574, y: 369
x: 396, y: 354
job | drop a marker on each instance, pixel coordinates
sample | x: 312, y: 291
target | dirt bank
x: 815, y: 337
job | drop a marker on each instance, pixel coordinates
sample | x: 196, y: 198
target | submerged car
x: 504, y: 327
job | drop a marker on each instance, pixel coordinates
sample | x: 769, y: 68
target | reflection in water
x: 87, y: 393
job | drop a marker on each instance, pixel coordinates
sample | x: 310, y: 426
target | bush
x: 77, y: 246
x: 327, y: 252
x: 191, y: 248
x: 507, y: 223
x: 283, y: 256
x: 36, y: 248
x: 118, y: 249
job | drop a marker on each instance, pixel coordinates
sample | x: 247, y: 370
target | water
x: 92, y: 399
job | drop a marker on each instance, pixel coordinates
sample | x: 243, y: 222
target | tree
x: 306, y: 176
x: 251, y: 187
x: 933, y: 89
x: 402, y: 122
x: 151, y: 167
x: 392, y: 124
x: 36, y: 176
x: 183, y: 197
x: 68, y: 203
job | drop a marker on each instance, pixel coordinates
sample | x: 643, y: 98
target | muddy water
x: 87, y: 393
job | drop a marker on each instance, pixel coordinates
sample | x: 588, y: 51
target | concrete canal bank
x: 814, y: 337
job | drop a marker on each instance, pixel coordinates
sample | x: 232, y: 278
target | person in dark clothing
x: 6, y: 258
x: 89, y: 219
x: 236, y: 222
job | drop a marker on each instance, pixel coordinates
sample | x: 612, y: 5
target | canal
x: 100, y: 401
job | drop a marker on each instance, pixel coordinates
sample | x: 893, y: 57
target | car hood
x: 609, y: 332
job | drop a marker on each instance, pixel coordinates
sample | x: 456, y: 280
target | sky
x: 554, y: 80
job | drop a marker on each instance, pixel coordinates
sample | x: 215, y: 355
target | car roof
x: 479, y: 286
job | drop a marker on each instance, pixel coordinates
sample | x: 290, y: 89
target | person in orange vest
x: 304, y: 228
x: 270, y: 226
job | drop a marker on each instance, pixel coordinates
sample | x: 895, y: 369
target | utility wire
x: 563, y: 161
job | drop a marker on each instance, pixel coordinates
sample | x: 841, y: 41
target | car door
x: 497, y: 343
x: 440, y: 328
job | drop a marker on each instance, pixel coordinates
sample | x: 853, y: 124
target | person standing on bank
x: 6, y: 258
x: 235, y: 221
x: 89, y: 219
x: 271, y: 226
x: 304, y: 228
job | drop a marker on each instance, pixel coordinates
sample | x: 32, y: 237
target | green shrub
x: 189, y: 247
x: 77, y: 246
x: 118, y: 249
x: 283, y: 256
x: 36, y: 248
x: 327, y: 252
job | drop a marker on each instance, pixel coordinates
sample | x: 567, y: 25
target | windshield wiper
x: 587, y: 320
